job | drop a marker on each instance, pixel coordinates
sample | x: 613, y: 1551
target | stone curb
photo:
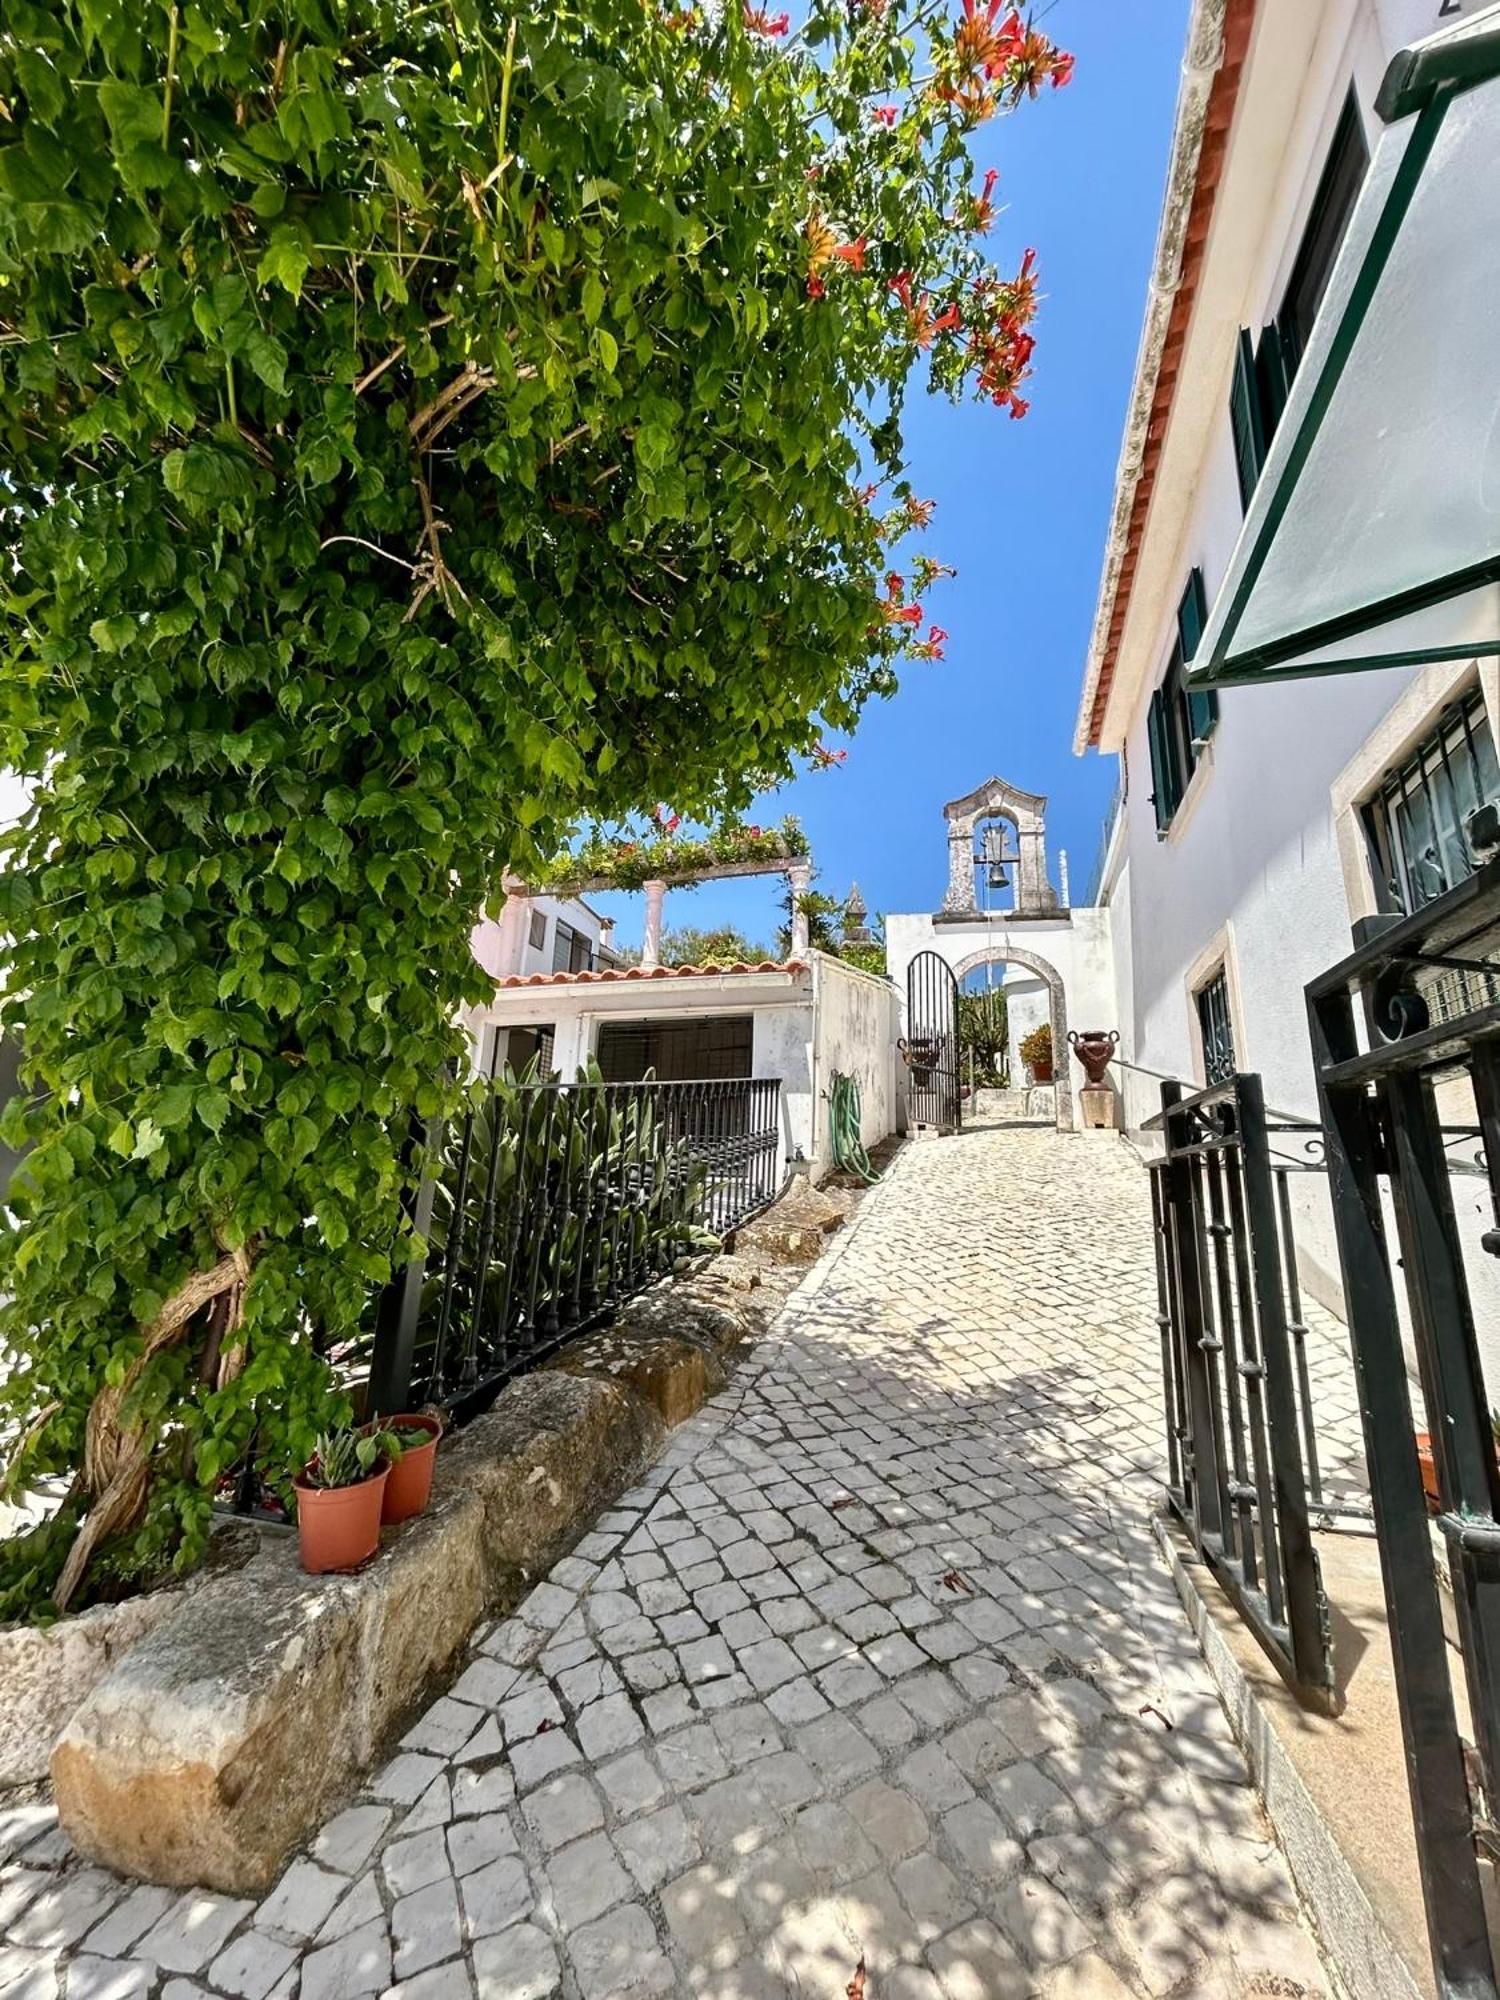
x: 217, y: 1745
x: 1355, y: 1941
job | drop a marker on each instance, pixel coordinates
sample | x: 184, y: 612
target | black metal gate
x: 931, y: 1047
x: 1415, y: 1010
x: 1239, y: 1417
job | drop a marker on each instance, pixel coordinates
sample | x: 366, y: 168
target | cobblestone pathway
x: 874, y: 1688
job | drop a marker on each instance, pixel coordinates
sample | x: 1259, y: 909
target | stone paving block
x: 518, y: 1964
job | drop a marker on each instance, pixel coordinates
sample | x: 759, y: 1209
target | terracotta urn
x: 1094, y: 1049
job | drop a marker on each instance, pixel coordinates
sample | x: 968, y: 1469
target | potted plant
x: 339, y: 1495
x: 1036, y: 1053
x: 1428, y: 1463
x: 409, y: 1480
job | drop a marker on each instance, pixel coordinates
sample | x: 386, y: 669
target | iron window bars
x: 1215, y: 1027
x: 546, y: 1205
x: 1379, y: 1050
x: 1417, y: 823
x: 1241, y: 1446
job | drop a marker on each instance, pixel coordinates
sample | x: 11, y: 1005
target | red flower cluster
x: 981, y: 206
x: 883, y: 114
x: 894, y: 609
x: 930, y: 648
x: 668, y: 821
x: 919, y: 317
x: 824, y: 759
x: 1003, y: 349
x: 925, y: 571
x: 761, y: 22
x: 853, y: 254
x: 995, y: 58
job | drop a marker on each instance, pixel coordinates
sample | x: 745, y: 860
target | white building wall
x: 857, y: 1020
x: 1263, y: 865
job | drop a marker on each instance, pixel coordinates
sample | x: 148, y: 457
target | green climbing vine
x: 422, y: 429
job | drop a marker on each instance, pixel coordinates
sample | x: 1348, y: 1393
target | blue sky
x: 1022, y: 507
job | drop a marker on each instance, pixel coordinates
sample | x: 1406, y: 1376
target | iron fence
x: 1241, y: 1445
x: 1413, y: 1011
x: 550, y: 1203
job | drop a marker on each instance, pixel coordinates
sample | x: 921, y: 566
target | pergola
x: 797, y: 870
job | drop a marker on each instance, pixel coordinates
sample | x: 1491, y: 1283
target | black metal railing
x: 1241, y: 1450
x: 1415, y: 1009
x: 546, y: 1205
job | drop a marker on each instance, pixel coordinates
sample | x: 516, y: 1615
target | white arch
x: 1009, y: 954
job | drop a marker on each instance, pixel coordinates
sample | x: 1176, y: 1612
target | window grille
x: 1214, y: 1024
x: 1417, y: 822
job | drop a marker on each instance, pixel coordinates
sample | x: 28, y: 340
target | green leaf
x: 286, y: 261
x: 212, y: 1108
x: 593, y: 297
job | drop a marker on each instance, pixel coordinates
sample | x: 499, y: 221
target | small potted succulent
x: 410, y: 1478
x: 339, y: 1495
x: 1036, y: 1053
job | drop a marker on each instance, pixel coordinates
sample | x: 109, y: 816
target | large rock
x: 794, y: 1230
x: 46, y: 1672
x: 223, y: 1738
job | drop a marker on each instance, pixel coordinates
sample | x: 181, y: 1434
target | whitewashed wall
x: 856, y: 1023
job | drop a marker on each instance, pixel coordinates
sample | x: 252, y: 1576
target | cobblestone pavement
x: 875, y: 1687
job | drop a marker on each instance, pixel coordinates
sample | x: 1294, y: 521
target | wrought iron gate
x: 1239, y: 1418
x: 1412, y: 1012
x: 931, y: 1045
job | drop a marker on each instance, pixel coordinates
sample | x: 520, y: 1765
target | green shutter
x: 1202, y: 703
x: 1163, y: 765
x: 1274, y: 369
x: 1244, y: 417
x: 1192, y: 614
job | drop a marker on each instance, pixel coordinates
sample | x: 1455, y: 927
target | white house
x: 801, y: 1022
x: 538, y: 934
x: 1256, y: 826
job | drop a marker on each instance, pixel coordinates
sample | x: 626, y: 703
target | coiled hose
x: 843, y: 1127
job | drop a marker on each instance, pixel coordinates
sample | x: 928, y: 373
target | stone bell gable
x: 1027, y: 813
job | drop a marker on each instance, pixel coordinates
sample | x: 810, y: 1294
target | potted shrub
x: 1036, y: 1053
x: 339, y: 1495
x: 409, y: 1480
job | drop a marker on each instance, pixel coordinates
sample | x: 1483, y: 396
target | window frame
x: 1181, y: 719
x: 1265, y: 368
x: 1213, y: 1008
x: 1425, y: 770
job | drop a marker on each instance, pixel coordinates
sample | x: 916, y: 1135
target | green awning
x: 1373, y: 535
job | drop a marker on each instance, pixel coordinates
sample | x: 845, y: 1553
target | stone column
x: 515, y: 927
x: 1031, y: 888
x: 799, y: 876
x: 651, y: 943
x: 960, y: 892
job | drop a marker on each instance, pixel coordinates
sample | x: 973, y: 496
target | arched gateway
x: 1001, y: 908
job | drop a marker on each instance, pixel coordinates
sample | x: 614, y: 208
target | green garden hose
x: 843, y: 1126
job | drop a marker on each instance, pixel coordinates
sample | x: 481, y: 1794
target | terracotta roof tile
x: 623, y: 974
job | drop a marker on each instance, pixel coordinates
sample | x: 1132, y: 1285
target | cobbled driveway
x: 876, y: 1689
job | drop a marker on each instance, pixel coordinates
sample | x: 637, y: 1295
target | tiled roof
x: 1239, y: 18
x: 616, y: 977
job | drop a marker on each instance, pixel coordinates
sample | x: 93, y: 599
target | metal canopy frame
x: 1421, y: 85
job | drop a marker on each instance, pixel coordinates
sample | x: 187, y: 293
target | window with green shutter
x: 1263, y: 369
x: 1181, y: 718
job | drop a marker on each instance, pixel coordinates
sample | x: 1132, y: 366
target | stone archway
x: 1009, y: 954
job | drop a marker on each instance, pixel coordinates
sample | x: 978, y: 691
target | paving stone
x: 475, y: 1843
x: 425, y: 1927
x: 350, y: 1838
x: 892, y: 1820
x: 353, y: 1966
x: 617, y: 1957
x: 976, y: 1962
x: 585, y: 1880
x: 297, y: 1907
x: 657, y: 1846
x: 250, y: 1966
x: 90, y: 1978
x: 129, y: 1921
x: 518, y: 1964
x: 193, y: 1931
x: 495, y: 1896
x: 564, y: 1809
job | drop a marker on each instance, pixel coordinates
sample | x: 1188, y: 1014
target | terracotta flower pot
x: 338, y: 1527
x: 1041, y: 1071
x: 410, y: 1478
x: 1429, y: 1472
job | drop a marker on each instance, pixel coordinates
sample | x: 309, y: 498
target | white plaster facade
x: 809, y: 1018
x: 1264, y: 865
x: 523, y: 937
